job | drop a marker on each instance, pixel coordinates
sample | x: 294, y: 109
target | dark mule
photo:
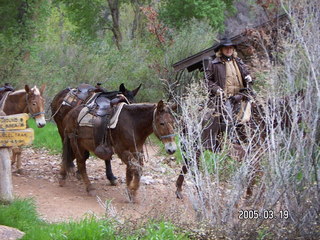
x: 215, y: 124
x: 257, y: 129
x: 28, y: 100
x: 60, y: 108
x: 136, y: 123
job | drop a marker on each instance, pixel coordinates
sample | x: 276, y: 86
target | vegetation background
x: 66, y: 42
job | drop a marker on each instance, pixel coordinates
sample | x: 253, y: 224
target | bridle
x: 155, y: 127
x: 32, y: 114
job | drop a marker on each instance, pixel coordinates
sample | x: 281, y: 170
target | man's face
x: 227, y: 50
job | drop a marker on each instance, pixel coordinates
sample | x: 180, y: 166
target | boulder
x: 10, y: 233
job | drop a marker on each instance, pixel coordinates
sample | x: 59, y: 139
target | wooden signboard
x: 14, y: 138
x: 14, y: 122
x: 13, y: 131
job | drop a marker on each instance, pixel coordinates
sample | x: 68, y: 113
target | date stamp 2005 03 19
x: 264, y: 214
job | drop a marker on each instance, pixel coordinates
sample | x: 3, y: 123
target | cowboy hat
x: 224, y: 42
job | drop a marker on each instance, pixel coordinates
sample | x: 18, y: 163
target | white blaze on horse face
x: 171, y: 147
x: 41, y: 121
x: 35, y: 91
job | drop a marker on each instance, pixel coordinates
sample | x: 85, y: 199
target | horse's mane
x: 18, y: 91
x: 141, y: 106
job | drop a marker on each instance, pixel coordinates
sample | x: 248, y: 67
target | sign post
x: 13, y: 133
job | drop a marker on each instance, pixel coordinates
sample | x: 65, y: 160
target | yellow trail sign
x: 16, y: 137
x: 14, y: 122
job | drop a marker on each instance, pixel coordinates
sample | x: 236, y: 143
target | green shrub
x: 46, y: 137
x: 22, y: 214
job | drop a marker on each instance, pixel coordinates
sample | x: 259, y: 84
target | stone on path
x: 10, y: 233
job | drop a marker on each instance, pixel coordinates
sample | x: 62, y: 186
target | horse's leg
x: 133, y: 173
x: 180, y: 182
x: 67, y: 160
x: 129, y: 177
x: 136, y: 172
x: 16, y: 159
x: 81, y: 163
x: 109, y: 173
x: 18, y: 152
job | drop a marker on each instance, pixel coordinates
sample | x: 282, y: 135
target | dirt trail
x: 156, y: 196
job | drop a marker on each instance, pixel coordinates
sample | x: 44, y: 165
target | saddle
x: 79, y: 95
x: 97, y: 114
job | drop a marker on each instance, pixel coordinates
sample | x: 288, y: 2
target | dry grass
x: 285, y: 163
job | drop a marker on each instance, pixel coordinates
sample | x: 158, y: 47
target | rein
x: 155, y: 127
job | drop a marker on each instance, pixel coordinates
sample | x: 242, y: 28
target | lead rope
x: 52, y: 116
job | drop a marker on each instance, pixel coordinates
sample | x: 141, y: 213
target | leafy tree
x: 178, y: 12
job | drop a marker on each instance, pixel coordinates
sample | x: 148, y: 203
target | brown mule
x: 136, y: 123
x: 28, y: 100
x: 82, y: 93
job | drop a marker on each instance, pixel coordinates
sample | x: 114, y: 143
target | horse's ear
x: 160, y: 106
x: 42, y: 89
x: 27, y: 88
x: 122, y: 88
x: 135, y: 91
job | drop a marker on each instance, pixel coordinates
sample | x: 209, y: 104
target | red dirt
x: 156, y: 197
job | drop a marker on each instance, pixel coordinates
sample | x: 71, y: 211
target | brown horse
x: 28, y: 100
x: 60, y: 108
x: 136, y: 123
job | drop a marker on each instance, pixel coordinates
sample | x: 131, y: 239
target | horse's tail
x: 67, y: 154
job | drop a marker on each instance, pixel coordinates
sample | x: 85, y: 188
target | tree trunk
x: 115, y: 13
x: 136, y: 24
x: 5, y: 176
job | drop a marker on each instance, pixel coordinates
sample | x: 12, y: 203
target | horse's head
x: 163, y: 126
x: 36, y: 103
x: 83, y: 91
x: 129, y: 94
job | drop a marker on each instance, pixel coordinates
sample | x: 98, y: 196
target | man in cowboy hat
x: 226, y: 74
x: 228, y: 77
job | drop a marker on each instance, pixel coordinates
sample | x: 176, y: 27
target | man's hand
x: 248, y: 78
x: 220, y: 91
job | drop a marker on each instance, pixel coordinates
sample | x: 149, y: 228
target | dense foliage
x: 65, y: 42
x: 180, y: 12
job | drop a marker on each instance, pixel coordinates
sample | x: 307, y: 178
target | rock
x: 147, y: 180
x: 10, y: 233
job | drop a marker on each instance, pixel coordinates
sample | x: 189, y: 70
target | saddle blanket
x: 86, y: 119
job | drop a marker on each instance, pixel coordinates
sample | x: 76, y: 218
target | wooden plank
x: 14, y: 122
x: 16, y: 137
x: 5, y: 176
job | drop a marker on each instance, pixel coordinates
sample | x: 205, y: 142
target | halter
x: 155, y: 127
x: 32, y: 114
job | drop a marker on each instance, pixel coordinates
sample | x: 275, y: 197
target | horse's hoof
x: 62, y: 182
x: 92, y: 191
x: 18, y: 171
x: 179, y: 195
x: 114, y: 182
x: 78, y: 175
x: 131, y: 195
